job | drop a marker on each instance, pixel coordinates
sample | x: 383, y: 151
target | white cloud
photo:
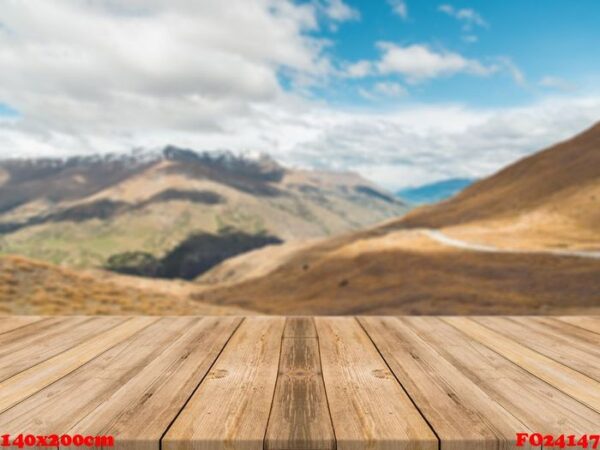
x: 105, y: 66
x: 389, y: 89
x: 418, y: 62
x: 448, y: 9
x: 411, y: 145
x: 359, y: 69
x: 382, y: 90
x: 339, y: 11
x: 100, y: 76
x: 367, y: 94
x: 508, y: 65
x: 552, y: 82
x: 399, y: 7
x: 418, y: 144
x: 469, y: 17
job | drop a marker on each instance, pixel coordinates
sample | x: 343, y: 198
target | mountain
x: 83, y: 211
x: 550, y: 199
x: 434, y: 192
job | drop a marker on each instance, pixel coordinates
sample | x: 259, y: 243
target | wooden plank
x: 473, y: 383
x: 9, y: 323
x: 462, y: 414
x: 540, y: 406
x: 20, y: 336
x: 231, y: 407
x: 299, y: 327
x: 579, y: 386
x: 25, y: 353
x: 299, y: 415
x: 59, y: 406
x: 569, y: 331
x: 369, y: 408
x: 536, y: 335
x: 140, y: 411
x: 587, y: 323
x: 22, y: 385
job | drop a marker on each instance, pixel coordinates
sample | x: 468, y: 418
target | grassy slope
x: 380, y: 272
x: 32, y: 287
x: 550, y: 199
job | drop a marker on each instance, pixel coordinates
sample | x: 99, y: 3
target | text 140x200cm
x: 55, y: 440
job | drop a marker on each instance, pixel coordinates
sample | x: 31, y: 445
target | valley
x: 522, y: 241
x: 508, y: 244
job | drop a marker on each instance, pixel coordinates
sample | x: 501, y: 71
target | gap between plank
x: 61, y: 352
x: 524, y: 368
x: 439, y: 441
x: 316, y: 338
x: 160, y: 440
x: 536, y: 351
x: 78, y: 367
x: 312, y: 319
x: 42, y: 319
x: 566, y: 322
x: 264, y: 445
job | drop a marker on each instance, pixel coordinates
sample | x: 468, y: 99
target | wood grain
x: 538, y: 405
x: 581, y: 387
x: 299, y: 327
x: 141, y: 409
x: 463, y: 415
x: 22, y: 385
x: 8, y: 323
x: 79, y: 393
x: 587, y: 323
x: 300, y: 415
x: 230, y: 409
x: 300, y: 383
x: 567, y: 331
x: 369, y: 408
x: 20, y: 336
x: 25, y: 353
x: 549, y: 341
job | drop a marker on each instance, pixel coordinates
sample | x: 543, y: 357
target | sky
x: 404, y: 92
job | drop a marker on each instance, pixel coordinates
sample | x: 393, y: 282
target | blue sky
x: 551, y: 44
x: 404, y: 92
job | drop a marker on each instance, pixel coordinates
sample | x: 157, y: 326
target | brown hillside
x: 403, y: 272
x: 32, y: 287
x: 563, y: 180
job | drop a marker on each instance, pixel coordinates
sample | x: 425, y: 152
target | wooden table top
x: 178, y: 383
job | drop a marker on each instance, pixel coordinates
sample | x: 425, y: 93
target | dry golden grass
x: 378, y: 272
x: 250, y: 265
x: 31, y: 287
x: 548, y: 200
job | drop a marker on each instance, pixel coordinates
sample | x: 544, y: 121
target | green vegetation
x: 193, y: 256
x: 134, y: 263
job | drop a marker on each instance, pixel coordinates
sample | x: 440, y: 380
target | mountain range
x: 523, y: 241
x: 111, y: 210
x: 434, y: 192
